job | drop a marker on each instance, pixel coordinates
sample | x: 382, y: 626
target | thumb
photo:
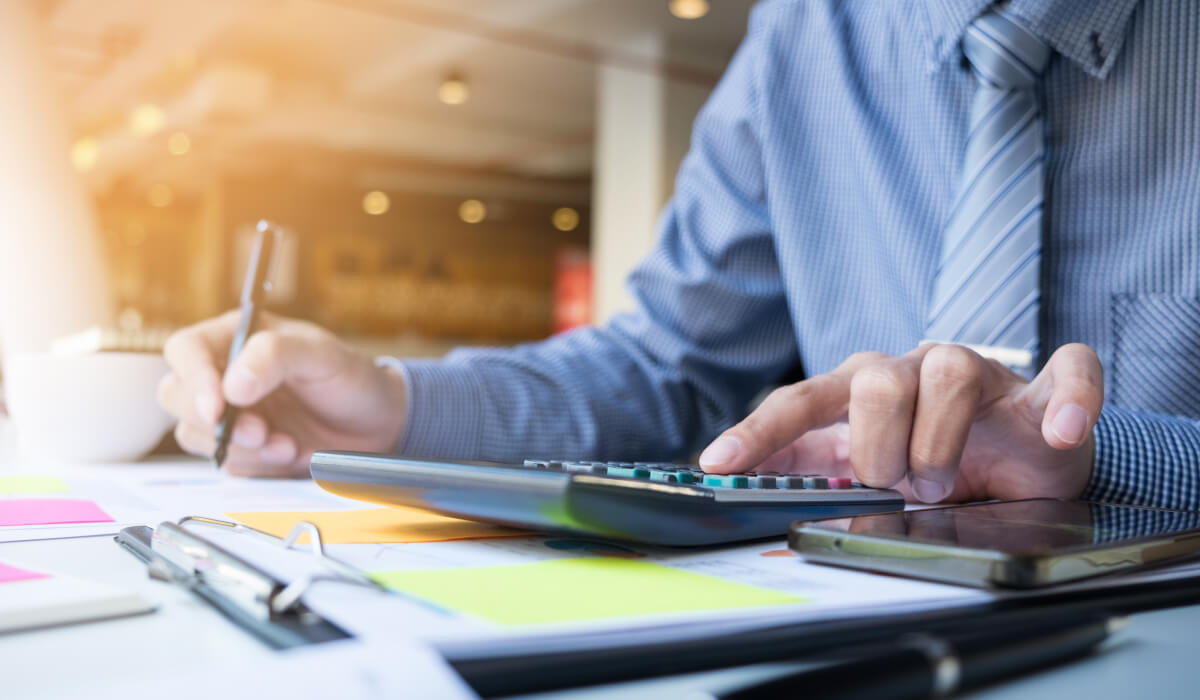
x: 1068, y: 394
x: 286, y: 352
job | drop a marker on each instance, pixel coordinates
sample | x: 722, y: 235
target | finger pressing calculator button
x: 729, y: 481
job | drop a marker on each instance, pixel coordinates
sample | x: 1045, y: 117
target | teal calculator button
x: 629, y: 472
x: 729, y: 481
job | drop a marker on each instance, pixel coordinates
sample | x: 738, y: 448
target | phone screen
x: 1032, y: 527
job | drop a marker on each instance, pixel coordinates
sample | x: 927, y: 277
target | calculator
x: 648, y: 502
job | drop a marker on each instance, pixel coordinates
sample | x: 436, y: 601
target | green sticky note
x: 17, y: 485
x: 567, y: 590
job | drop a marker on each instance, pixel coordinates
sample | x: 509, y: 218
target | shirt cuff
x: 1145, y: 459
x: 444, y: 417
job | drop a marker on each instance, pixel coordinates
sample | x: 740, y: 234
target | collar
x: 1089, y: 33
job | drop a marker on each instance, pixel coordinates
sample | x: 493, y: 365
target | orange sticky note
x: 376, y: 526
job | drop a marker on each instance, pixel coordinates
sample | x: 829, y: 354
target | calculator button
x: 578, y: 468
x: 629, y: 472
x: 762, y: 482
x: 789, y: 482
x: 729, y: 481
x: 661, y: 475
x: 816, y: 482
x: 840, y: 483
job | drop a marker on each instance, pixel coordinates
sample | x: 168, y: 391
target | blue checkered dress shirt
x: 806, y: 225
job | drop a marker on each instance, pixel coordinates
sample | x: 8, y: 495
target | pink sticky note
x: 9, y: 574
x: 50, y: 511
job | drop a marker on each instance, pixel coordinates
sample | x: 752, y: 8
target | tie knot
x: 1004, y: 54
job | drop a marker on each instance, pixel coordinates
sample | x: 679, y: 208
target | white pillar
x: 52, y: 273
x: 643, y: 126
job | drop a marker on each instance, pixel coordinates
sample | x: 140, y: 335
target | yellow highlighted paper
x: 568, y: 590
x: 376, y: 526
x: 21, y: 485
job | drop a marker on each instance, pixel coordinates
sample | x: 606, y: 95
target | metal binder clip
x: 269, y: 608
x: 289, y: 596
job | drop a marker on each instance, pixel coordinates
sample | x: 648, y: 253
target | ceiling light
x: 179, y: 143
x: 160, y: 195
x: 454, y: 90
x: 147, y: 119
x: 84, y: 154
x: 565, y: 219
x: 472, y: 211
x: 688, y: 9
x: 376, y: 203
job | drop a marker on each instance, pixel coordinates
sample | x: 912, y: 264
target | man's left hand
x: 951, y: 424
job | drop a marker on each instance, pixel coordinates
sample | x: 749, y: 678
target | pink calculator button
x: 840, y: 483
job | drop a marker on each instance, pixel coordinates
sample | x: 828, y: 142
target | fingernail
x: 1070, y: 424
x: 241, y: 380
x: 929, y: 491
x: 206, y: 406
x: 722, y: 451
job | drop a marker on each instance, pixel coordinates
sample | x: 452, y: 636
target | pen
x: 923, y: 666
x: 253, y: 290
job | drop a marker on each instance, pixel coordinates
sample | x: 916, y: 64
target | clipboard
x: 268, y: 608
x: 273, y: 611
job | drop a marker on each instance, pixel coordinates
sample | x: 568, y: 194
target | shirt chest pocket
x: 1156, y: 353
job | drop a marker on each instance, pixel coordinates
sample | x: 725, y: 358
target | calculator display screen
x: 1031, y: 527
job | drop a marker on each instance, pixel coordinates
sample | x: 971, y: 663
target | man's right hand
x: 299, y: 389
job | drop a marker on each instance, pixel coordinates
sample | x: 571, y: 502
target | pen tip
x: 219, y: 456
x: 1117, y: 623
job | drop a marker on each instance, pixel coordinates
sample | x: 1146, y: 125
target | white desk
x: 1157, y: 656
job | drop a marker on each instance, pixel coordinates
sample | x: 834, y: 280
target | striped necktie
x: 987, y: 289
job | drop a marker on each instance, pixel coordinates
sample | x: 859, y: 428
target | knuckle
x: 881, y: 386
x: 755, y: 429
x: 950, y: 365
x: 1078, y: 350
x: 789, y: 394
x: 176, y: 344
x: 926, y: 457
x: 864, y: 358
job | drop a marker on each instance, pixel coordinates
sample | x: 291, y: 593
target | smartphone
x: 1019, y: 544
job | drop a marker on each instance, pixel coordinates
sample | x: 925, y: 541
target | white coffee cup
x: 97, y: 407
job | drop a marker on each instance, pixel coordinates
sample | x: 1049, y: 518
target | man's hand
x: 300, y: 389
x: 959, y: 427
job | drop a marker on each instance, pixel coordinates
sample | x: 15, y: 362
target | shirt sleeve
x: 710, y: 327
x: 1147, y: 459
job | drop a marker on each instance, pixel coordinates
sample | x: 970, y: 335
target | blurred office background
x: 451, y: 171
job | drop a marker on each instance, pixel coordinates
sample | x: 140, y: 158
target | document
x: 349, y: 670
